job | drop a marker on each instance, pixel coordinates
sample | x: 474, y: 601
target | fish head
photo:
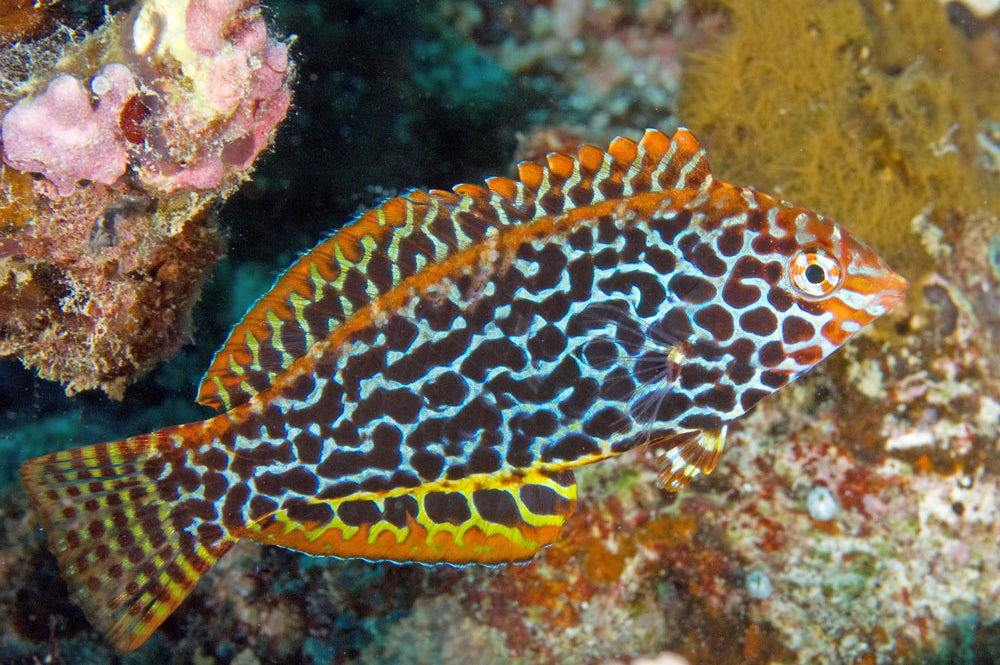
x: 837, y: 283
x: 798, y: 286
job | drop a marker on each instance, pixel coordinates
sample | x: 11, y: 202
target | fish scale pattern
x: 404, y: 235
x: 420, y: 386
x: 561, y: 358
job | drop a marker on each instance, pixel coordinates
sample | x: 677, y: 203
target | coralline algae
x: 63, y: 135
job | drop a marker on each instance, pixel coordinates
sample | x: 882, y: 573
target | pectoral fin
x: 699, y: 454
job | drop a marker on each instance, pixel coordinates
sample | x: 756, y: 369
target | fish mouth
x: 892, y: 291
x: 877, y: 293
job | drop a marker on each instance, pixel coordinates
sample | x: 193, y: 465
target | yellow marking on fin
x: 399, y: 533
x: 319, y: 282
x: 299, y: 304
x: 370, y: 245
x: 603, y: 174
x: 254, y: 346
x: 344, y: 263
x: 422, y: 539
x: 276, y: 324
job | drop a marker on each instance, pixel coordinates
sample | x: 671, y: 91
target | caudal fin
x: 131, y: 538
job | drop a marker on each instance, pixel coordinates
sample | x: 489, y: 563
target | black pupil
x: 815, y: 274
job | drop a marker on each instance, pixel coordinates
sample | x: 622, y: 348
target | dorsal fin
x: 383, y: 246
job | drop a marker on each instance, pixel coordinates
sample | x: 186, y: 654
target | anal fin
x: 698, y: 454
x: 481, y: 519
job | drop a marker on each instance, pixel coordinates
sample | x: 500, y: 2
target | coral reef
x: 114, y: 154
x: 848, y: 109
x: 606, y: 68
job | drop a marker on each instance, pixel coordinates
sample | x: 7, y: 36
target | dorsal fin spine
x: 571, y: 182
x: 496, y: 202
x: 318, y: 281
x: 397, y: 239
x: 338, y: 281
x: 254, y: 345
x: 370, y: 245
x: 664, y: 164
x: 299, y: 303
x: 602, y: 175
x: 634, y: 169
x: 520, y: 189
x: 543, y: 189
x: 686, y: 170
x: 465, y: 204
x: 276, y: 325
x: 430, y: 216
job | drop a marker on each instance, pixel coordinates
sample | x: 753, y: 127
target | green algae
x: 865, y: 111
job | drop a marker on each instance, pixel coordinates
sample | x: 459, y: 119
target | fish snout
x: 893, y: 290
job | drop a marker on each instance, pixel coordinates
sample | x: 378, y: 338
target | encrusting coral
x: 113, y: 154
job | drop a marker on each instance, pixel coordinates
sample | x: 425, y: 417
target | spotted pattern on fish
x: 419, y: 386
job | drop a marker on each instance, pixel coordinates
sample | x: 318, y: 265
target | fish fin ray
x: 120, y: 545
x: 697, y: 454
x: 479, y: 519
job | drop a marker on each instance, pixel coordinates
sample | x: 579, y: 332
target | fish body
x: 419, y: 386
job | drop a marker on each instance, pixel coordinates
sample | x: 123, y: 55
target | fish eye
x: 815, y: 273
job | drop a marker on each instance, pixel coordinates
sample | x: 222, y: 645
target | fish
x: 420, y: 385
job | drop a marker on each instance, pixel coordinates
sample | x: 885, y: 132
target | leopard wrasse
x: 419, y: 386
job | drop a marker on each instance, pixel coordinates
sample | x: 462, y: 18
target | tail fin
x: 131, y: 538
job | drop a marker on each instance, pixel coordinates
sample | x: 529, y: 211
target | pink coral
x: 207, y: 127
x: 241, y: 74
x: 59, y: 134
x: 98, y: 272
x: 204, y: 19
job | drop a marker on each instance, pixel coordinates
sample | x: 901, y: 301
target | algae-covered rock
x: 869, y: 111
x: 116, y: 146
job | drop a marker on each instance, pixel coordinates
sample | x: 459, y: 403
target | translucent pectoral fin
x: 699, y: 454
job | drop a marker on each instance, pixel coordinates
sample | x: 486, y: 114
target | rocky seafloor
x: 853, y: 517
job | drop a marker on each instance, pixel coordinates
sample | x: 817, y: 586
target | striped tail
x: 129, y: 526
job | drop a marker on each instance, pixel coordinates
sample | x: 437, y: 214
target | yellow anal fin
x: 480, y: 519
x: 698, y: 454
